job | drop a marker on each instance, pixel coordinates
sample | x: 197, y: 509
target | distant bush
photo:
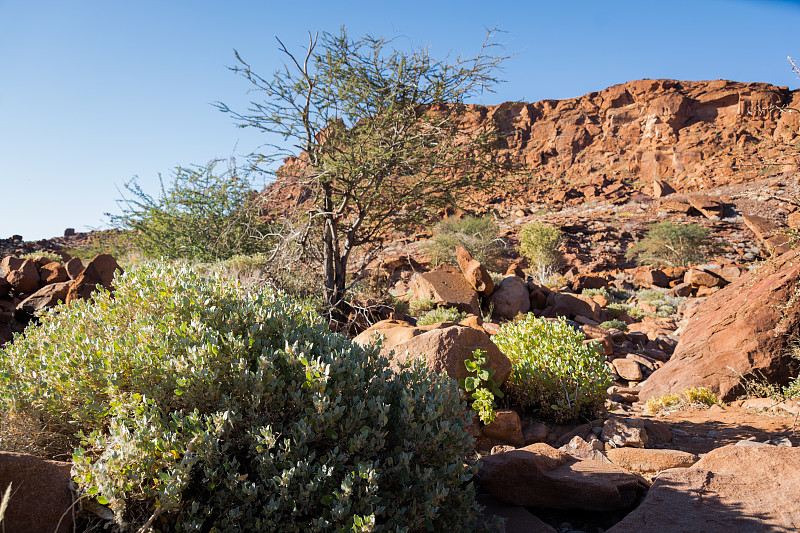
x: 210, y: 408
x: 42, y: 253
x: 554, y: 375
x: 441, y: 314
x: 203, y: 215
x: 477, y: 235
x: 540, y: 243
x: 666, y: 243
x: 421, y: 306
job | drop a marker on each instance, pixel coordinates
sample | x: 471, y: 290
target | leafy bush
x: 539, y: 243
x: 696, y: 396
x: 43, y: 253
x: 441, y: 314
x: 554, y: 374
x: 207, y: 407
x: 477, y: 235
x: 421, y: 306
x: 666, y: 243
x: 614, y: 324
x: 482, y: 386
x: 204, y: 215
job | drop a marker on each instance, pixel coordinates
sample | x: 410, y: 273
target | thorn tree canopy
x: 380, y: 136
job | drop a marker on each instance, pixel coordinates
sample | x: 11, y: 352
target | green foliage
x: 441, y: 314
x: 666, y: 305
x: 477, y: 235
x: 695, y: 396
x: 614, y: 324
x: 217, y: 408
x: 203, y: 215
x: 43, y: 253
x: 482, y: 386
x: 540, y: 244
x: 421, y: 306
x: 554, y: 374
x: 666, y: 243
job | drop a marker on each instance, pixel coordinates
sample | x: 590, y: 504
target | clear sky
x: 93, y: 93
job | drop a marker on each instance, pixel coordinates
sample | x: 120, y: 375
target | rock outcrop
x: 741, y: 330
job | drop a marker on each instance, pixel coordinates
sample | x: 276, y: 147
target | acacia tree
x: 380, y: 140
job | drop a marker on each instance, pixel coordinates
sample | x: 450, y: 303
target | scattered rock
x: 541, y: 476
x: 47, y: 296
x: 645, y: 461
x: 506, y: 428
x: 446, y: 286
x: 619, y: 432
x: 474, y: 272
x: 510, y: 298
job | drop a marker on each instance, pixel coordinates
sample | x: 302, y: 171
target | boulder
x: 699, y: 277
x: 40, y: 494
x: 24, y: 278
x: 47, y: 296
x: 645, y: 461
x: 732, y: 488
x: 517, y: 519
x: 53, y: 272
x: 741, y: 330
x: 770, y: 234
x: 446, y: 348
x: 446, y: 286
x: 5, y: 287
x: 99, y: 271
x: 621, y: 432
x: 707, y: 206
x: 10, y: 263
x: 572, y: 305
x: 474, y: 272
x: 541, y: 476
x: 74, y: 268
x: 661, y: 188
x: 651, y: 278
x: 510, y: 298
x: 506, y: 428
x: 627, y: 369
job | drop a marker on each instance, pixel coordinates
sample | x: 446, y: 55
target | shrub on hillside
x: 540, y: 244
x: 210, y: 408
x: 666, y: 243
x: 477, y: 235
x: 554, y: 375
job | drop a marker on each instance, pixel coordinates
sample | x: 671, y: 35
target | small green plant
x: 482, y: 386
x: 421, y: 306
x: 477, y: 235
x: 540, y: 243
x: 441, y: 314
x: 696, y: 396
x: 554, y: 374
x: 614, y: 324
x: 43, y: 253
x: 666, y: 243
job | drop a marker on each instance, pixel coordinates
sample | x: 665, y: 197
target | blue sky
x: 93, y: 93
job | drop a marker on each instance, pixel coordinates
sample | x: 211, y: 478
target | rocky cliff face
x: 699, y: 134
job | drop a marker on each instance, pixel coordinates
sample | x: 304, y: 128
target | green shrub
x: 554, y: 375
x: 540, y: 243
x: 214, y: 408
x: 441, y: 314
x: 477, y: 235
x: 421, y: 306
x: 203, y: 215
x: 43, y: 253
x: 696, y: 396
x: 666, y: 243
x: 614, y: 324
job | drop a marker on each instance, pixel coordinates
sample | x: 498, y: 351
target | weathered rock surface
x: 740, y: 330
x: 24, y: 278
x: 474, y: 272
x: 99, y: 271
x: 541, y: 476
x: 506, y: 428
x: 733, y: 488
x: 47, y: 296
x: 40, y: 494
x: 444, y: 348
x: 510, y: 298
x: 648, y: 461
x: 446, y: 286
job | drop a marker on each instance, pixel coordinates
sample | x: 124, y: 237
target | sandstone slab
x: 446, y: 286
